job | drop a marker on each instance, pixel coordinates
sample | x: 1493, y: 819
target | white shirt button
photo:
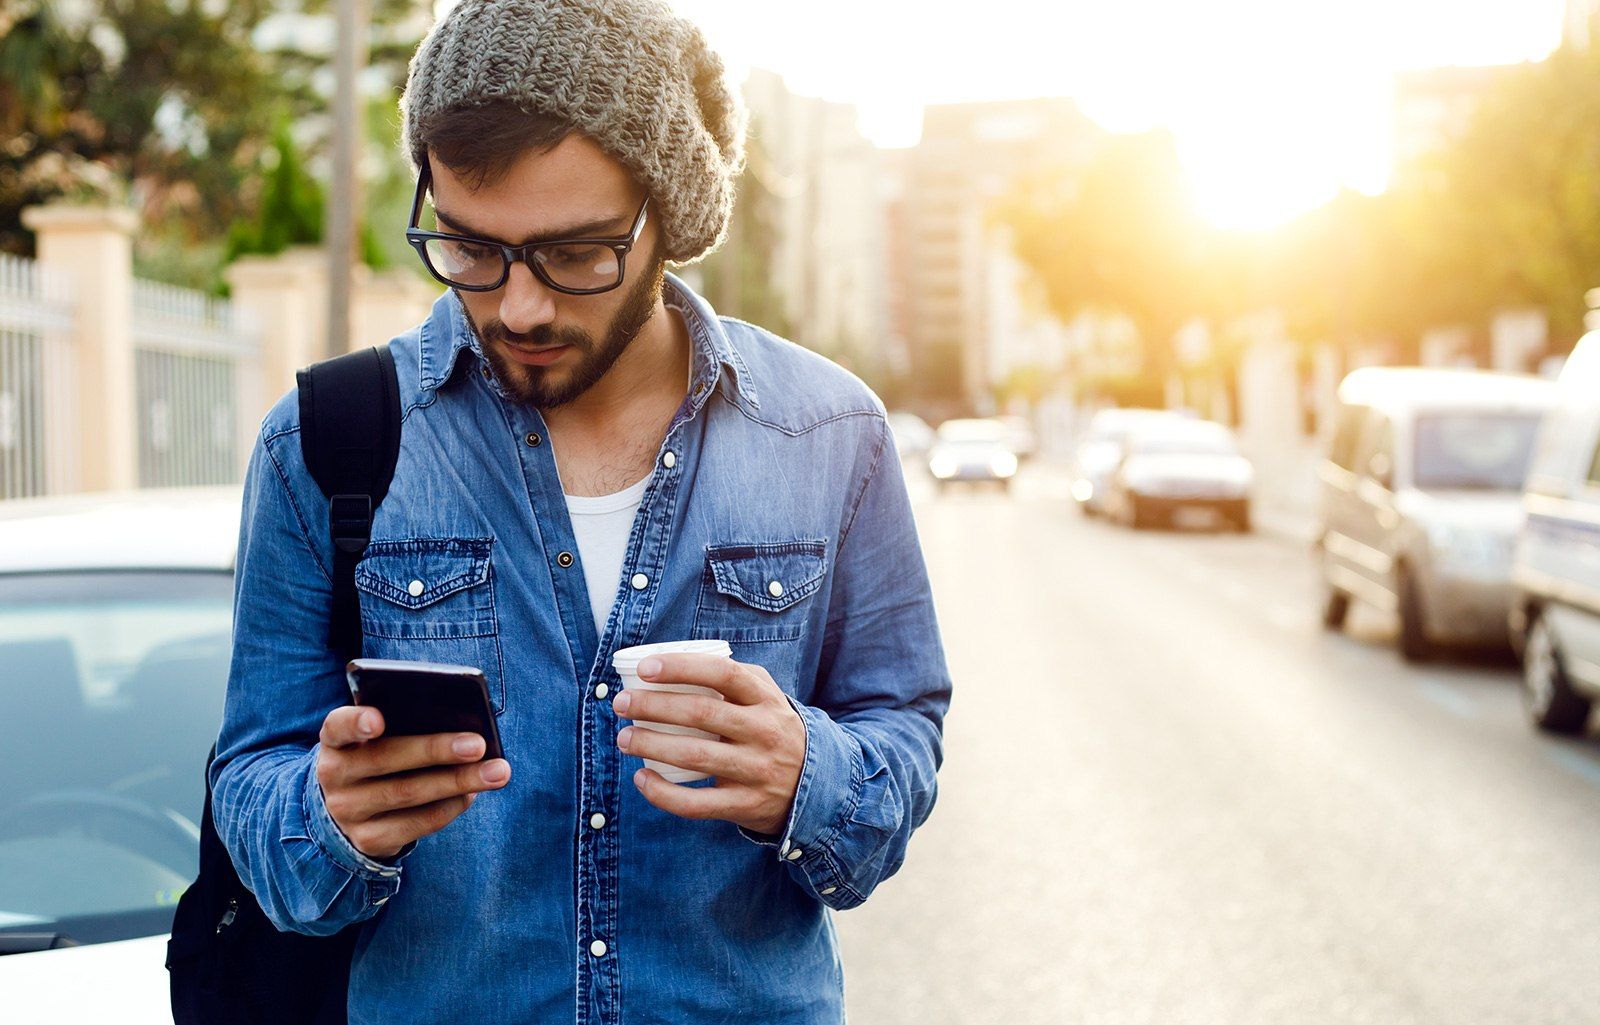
x: 640, y: 581
x: 597, y: 821
x: 783, y: 848
x: 598, y: 948
x: 794, y: 854
x: 775, y: 589
x: 601, y: 690
x: 414, y: 588
x: 669, y: 459
x: 381, y: 900
x: 829, y: 889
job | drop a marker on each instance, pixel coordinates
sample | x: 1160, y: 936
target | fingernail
x: 495, y: 771
x: 623, y: 738
x: 649, y: 668
x: 464, y: 746
x: 621, y: 702
x: 365, y: 725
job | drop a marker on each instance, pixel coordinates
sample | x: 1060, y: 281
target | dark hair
x: 479, y: 143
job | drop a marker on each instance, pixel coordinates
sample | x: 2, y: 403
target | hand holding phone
x: 389, y: 765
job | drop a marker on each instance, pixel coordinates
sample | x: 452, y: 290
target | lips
x: 539, y: 357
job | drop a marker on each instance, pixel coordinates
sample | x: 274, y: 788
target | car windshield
x: 1488, y: 451
x: 974, y: 431
x: 110, y: 698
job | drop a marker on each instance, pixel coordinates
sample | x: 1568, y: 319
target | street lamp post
x: 344, y: 207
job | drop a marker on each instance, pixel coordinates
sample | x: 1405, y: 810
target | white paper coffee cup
x: 626, y: 662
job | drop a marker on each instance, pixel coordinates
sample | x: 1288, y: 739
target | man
x: 591, y: 459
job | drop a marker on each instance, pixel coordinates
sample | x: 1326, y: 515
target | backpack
x: 228, y: 963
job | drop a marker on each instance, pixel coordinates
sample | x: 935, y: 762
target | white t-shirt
x: 601, y: 524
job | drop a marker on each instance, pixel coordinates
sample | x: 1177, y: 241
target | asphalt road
x: 1169, y: 796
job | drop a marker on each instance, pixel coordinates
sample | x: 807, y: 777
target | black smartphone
x: 426, y: 697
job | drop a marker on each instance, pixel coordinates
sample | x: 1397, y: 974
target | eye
x: 574, y: 256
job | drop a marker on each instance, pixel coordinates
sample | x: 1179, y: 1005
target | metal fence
x: 38, y: 414
x: 190, y: 363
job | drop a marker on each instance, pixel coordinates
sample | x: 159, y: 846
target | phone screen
x: 419, y: 698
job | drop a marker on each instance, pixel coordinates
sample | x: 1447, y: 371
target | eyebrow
x: 588, y: 229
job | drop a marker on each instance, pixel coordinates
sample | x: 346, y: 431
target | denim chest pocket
x: 757, y: 597
x: 432, y: 599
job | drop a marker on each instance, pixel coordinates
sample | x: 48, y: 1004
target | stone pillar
x: 387, y: 303
x: 286, y: 297
x: 94, y: 246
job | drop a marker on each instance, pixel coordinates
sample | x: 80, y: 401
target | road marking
x: 1446, y: 698
x: 1585, y: 767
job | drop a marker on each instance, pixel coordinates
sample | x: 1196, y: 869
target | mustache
x: 541, y: 336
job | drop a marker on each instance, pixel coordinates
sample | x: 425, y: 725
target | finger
x: 388, y: 755
x: 350, y: 725
x: 717, y: 802
x: 386, y: 794
x: 720, y: 759
x: 712, y: 714
x: 733, y: 680
x: 389, y: 833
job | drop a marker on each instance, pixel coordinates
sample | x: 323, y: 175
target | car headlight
x: 942, y: 466
x: 1004, y: 464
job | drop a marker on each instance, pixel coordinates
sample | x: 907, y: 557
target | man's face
x: 572, y: 190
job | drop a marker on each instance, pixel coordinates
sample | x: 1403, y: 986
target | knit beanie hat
x: 630, y: 74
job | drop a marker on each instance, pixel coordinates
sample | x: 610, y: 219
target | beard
x: 547, y: 387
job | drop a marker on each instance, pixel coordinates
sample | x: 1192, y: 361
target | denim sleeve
x: 282, y: 683
x: 874, y: 739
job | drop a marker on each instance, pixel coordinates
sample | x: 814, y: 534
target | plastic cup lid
x: 631, y: 657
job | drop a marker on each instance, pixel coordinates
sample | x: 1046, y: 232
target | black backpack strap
x: 350, y: 439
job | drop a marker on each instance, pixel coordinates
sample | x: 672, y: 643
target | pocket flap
x: 419, y: 571
x: 770, y: 576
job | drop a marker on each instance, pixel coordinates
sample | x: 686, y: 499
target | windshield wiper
x: 28, y: 942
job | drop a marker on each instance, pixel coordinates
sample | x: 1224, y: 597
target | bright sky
x: 1275, y: 103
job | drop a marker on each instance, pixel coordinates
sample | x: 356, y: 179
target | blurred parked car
x: 1024, y: 442
x: 115, y: 633
x: 1100, y: 449
x: 1422, y: 498
x: 1555, y: 617
x: 912, y: 435
x: 1176, y: 464
x: 973, y: 450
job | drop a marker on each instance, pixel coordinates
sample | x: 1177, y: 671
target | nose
x: 525, y: 301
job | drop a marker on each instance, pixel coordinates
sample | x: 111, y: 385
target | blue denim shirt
x: 782, y: 468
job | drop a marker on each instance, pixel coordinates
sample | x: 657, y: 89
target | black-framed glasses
x: 576, y: 266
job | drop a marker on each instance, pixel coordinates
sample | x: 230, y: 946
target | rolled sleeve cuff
x: 829, y: 788
x: 338, y: 846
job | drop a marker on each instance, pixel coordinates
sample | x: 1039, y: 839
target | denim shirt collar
x: 447, y: 332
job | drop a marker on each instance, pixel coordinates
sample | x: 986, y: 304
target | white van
x: 1422, y: 500
x: 1555, y: 619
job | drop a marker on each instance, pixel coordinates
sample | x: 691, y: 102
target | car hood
x: 1492, y: 512
x: 125, y: 981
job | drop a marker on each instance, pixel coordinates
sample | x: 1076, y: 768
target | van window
x: 1346, y: 432
x: 1377, y: 437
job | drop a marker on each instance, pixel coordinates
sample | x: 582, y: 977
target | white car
x: 973, y: 450
x: 1100, y: 450
x: 1172, y: 466
x: 912, y: 435
x: 116, y: 621
x: 1555, y: 615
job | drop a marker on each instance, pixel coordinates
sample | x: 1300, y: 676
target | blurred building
x: 1435, y: 106
x: 805, y: 256
x: 1582, y: 21
x: 961, y: 312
